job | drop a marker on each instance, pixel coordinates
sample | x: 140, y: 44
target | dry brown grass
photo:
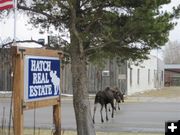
x: 65, y: 132
x: 164, y: 92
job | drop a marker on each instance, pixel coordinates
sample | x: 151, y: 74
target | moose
x: 105, y: 97
x: 121, y: 95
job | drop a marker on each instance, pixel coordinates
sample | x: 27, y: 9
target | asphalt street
x: 133, y: 117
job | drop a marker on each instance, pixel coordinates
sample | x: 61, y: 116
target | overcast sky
x: 174, y: 34
x: 26, y: 32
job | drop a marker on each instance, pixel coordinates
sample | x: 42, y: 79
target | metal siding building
x: 146, y: 76
x: 172, y: 75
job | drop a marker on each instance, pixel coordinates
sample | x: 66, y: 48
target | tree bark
x: 80, y: 92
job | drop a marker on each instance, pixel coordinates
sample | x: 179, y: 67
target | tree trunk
x: 80, y: 93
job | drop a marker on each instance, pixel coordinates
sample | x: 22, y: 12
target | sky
x: 26, y: 32
x: 23, y: 30
x: 174, y: 34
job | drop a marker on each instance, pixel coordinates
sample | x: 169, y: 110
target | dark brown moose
x: 107, y: 96
x: 121, y: 95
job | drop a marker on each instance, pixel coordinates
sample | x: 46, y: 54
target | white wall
x: 144, y: 84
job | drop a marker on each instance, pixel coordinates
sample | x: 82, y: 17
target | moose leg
x: 119, y: 106
x: 101, y: 113
x: 109, y: 109
x: 95, y: 106
x: 106, y: 112
x: 115, y: 105
x: 112, y: 105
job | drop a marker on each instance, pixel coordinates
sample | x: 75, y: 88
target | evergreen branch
x: 36, y: 11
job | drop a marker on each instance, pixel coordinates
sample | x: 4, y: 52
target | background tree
x: 100, y: 29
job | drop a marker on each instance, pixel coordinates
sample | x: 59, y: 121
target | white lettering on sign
x: 39, y: 78
x: 42, y: 78
x: 39, y: 65
x: 40, y: 90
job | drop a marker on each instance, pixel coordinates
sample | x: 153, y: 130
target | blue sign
x: 41, y: 78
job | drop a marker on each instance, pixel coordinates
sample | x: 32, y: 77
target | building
x: 172, y: 75
x: 147, y: 75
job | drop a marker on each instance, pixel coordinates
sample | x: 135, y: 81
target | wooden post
x: 56, y: 119
x: 18, y: 96
x: 57, y: 108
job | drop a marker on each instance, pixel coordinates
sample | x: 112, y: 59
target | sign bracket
x: 22, y: 52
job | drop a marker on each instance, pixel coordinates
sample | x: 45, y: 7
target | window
x: 155, y: 75
x: 130, y: 77
x: 138, y: 74
x: 162, y: 75
x: 149, y: 77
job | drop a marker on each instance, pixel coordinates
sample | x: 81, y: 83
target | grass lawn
x: 65, y: 132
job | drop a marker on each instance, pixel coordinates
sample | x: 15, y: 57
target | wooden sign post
x: 36, y: 84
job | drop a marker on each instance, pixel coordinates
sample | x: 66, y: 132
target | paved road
x: 133, y: 116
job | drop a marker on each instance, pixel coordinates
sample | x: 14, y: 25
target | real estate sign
x: 41, y: 78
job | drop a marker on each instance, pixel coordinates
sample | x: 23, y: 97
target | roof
x: 172, y: 66
x: 25, y: 44
x: 29, y: 45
